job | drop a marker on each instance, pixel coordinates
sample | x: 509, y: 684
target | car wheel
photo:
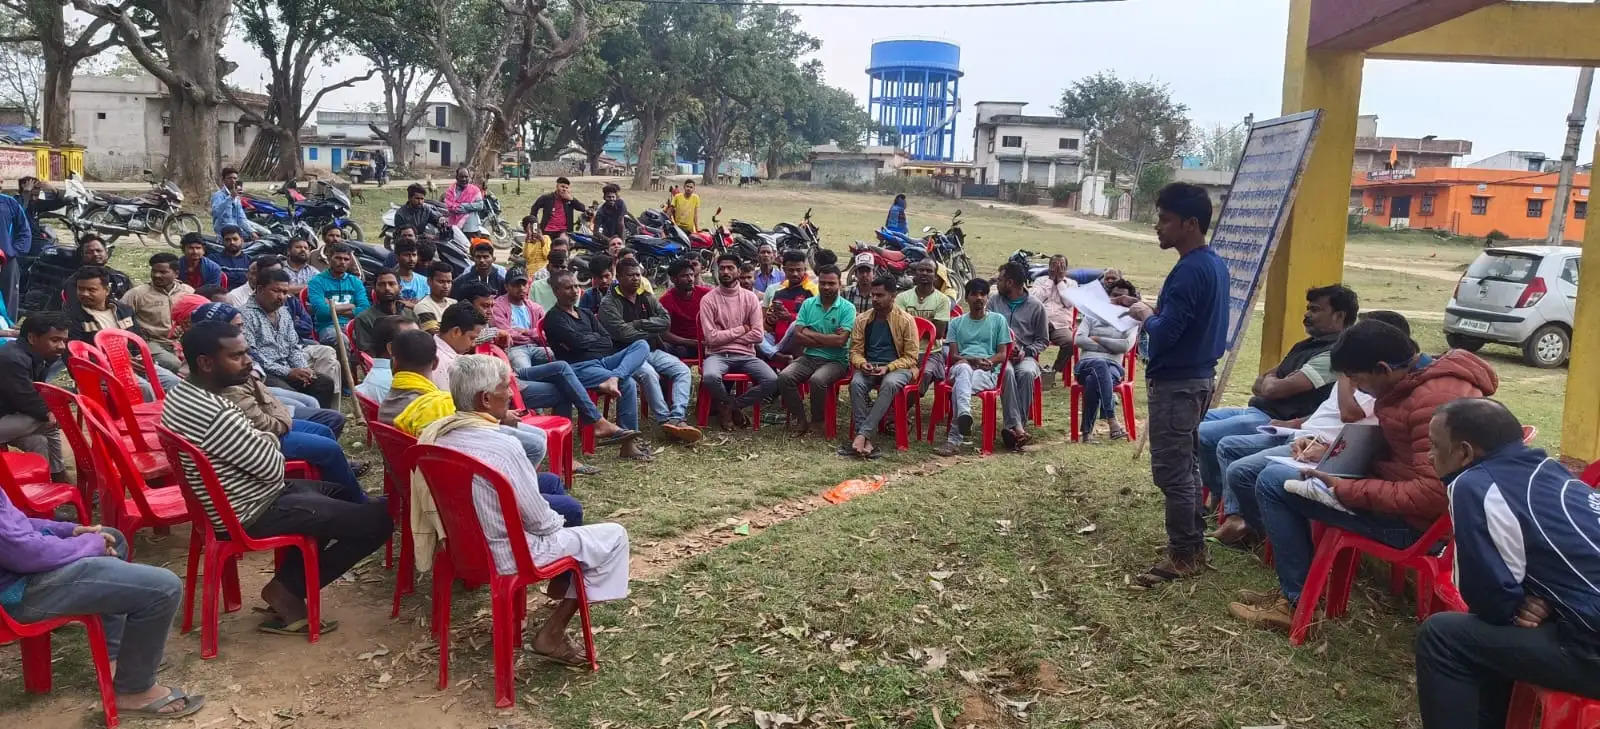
x: 1462, y: 341
x: 1548, y: 347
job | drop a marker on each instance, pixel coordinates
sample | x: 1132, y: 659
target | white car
x: 1523, y: 296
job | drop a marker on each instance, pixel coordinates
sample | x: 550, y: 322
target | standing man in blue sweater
x: 1186, y: 334
x: 1527, y: 566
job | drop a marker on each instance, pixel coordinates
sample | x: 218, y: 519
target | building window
x: 1535, y: 208
x: 433, y: 146
x: 1427, y: 205
x: 1480, y: 205
x: 1377, y: 204
x: 1011, y: 141
x: 440, y: 115
x: 311, y: 153
x: 1580, y: 210
x: 99, y: 115
x: 1067, y: 143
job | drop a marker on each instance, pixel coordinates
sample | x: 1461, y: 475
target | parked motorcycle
x: 386, y: 234
x: 157, y: 211
x: 45, y: 268
x: 1038, y: 264
x: 888, y: 262
x: 950, y: 249
x: 330, y: 207
x: 656, y: 255
x: 803, y: 236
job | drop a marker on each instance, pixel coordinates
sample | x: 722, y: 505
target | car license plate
x: 1473, y: 325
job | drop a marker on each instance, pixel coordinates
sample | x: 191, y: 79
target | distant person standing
x: 897, y: 215
x: 685, y: 207
x: 226, y: 207
x: 557, y: 211
x: 459, y: 195
x: 610, y: 220
x: 1187, y: 332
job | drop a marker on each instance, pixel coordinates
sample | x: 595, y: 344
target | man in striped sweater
x: 249, y: 464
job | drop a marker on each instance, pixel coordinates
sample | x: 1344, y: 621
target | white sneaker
x: 1316, y: 490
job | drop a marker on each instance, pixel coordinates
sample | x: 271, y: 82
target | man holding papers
x: 1403, y: 494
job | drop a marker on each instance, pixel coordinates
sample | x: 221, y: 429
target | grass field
x: 970, y: 591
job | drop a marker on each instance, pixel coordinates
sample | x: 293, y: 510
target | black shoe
x: 964, y: 425
x: 1010, y: 440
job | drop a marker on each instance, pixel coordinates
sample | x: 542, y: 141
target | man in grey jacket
x: 1030, y: 332
x: 630, y: 315
x: 1101, y: 349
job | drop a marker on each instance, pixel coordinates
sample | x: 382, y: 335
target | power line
x: 871, y: 6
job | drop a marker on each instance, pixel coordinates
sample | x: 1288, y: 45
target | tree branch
x: 246, y: 112
x: 136, y: 46
x: 311, y: 106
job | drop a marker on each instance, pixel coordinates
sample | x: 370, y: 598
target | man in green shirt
x: 822, y: 326
x: 977, y: 344
x: 926, y: 301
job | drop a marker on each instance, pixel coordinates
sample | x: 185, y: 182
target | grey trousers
x: 764, y: 380
x: 866, y: 413
x: 820, y: 373
x: 34, y: 436
x: 1176, y: 408
x: 1018, y: 395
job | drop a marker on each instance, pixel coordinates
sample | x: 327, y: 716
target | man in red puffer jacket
x: 1403, y: 495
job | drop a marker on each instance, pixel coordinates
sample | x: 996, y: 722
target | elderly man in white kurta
x: 480, y: 387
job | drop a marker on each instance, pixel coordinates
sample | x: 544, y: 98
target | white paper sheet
x: 1092, y: 298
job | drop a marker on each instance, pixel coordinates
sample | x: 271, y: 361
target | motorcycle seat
x: 120, y: 200
x: 893, y: 256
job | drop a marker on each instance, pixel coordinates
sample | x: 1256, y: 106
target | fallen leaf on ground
x: 941, y: 575
x: 1087, y: 530
x: 937, y: 657
x: 771, y: 720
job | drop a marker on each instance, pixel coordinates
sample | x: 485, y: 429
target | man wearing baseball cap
x: 860, y: 294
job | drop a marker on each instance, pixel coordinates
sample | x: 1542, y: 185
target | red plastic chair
x: 1591, y: 475
x: 97, y: 385
x: 25, y: 479
x: 152, y: 507
x: 736, y: 383
x: 465, y: 556
x: 944, y: 410
x: 1333, y: 569
x: 1124, y: 390
x: 1534, y: 707
x: 908, y: 396
x: 222, y: 553
x: 557, y: 430
x: 369, y: 412
x: 394, y: 443
x: 36, y: 670
x: 1069, y: 375
x: 118, y: 346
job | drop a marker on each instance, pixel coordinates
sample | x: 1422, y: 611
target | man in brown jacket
x: 885, y: 352
x: 302, y: 440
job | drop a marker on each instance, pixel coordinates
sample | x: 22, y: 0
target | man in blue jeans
x: 52, y: 568
x: 576, y: 337
x: 630, y: 315
x: 1290, y: 391
x: 301, y: 439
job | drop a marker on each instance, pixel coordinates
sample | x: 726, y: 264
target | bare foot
x: 725, y: 418
x: 799, y: 427
x: 129, y: 702
x: 609, y: 388
x: 284, y: 603
x: 604, y: 428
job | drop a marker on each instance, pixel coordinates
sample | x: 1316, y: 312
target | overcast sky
x: 1223, y: 58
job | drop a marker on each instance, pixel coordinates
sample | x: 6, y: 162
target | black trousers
x: 1465, y: 668
x: 346, y: 532
x: 320, y: 387
x: 1176, y: 409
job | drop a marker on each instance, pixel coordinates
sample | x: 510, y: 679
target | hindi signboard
x: 1246, y: 233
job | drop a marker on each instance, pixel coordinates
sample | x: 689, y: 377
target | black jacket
x: 576, y: 339
x: 84, y: 325
x: 546, y: 202
x: 19, y: 369
x: 421, y: 219
x: 608, y: 220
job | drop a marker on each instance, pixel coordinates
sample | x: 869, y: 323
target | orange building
x: 1468, y: 201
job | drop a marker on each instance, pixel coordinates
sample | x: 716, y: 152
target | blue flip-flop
x: 153, y: 710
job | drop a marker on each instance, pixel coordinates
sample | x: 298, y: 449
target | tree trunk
x: 591, y: 155
x: 192, y: 164
x: 55, y: 112
x: 485, y: 158
x: 288, y: 165
x: 713, y: 164
x: 399, y: 155
x: 649, y: 129
x: 772, y: 163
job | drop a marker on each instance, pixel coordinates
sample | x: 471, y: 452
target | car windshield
x: 1504, y: 266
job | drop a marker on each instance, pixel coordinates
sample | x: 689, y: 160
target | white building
x: 1519, y: 160
x: 438, y: 140
x: 124, y: 125
x: 1009, y: 146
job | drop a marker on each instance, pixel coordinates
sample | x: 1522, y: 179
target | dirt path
x: 1423, y: 270
x: 1068, y: 220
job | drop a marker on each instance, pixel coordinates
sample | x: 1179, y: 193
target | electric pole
x: 1569, y: 156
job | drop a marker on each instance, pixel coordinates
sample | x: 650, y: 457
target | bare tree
x: 20, y: 68
x: 191, y: 33
x: 387, y: 37
x: 60, y: 47
x: 494, y: 55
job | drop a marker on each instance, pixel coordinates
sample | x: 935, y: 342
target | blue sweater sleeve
x: 361, y: 300
x: 317, y: 297
x: 1168, y: 325
x: 1488, y: 539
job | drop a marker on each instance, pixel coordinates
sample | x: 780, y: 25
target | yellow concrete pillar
x: 1580, y: 420
x: 1311, y: 252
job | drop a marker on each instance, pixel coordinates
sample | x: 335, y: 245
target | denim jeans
x: 135, y: 603
x: 1288, y: 521
x: 1176, y: 409
x: 1099, y: 378
x: 535, y: 442
x: 1245, y: 477
x: 622, y: 365
x: 1235, y: 447
x: 659, y: 366
x: 764, y: 380
x: 331, y: 419
x: 555, y: 494
x: 527, y: 355
x: 770, y: 347
x: 293, y: 400
x: 1220, y: 423
x: 345, y: 532
x: 314, y: 443
x: 1465, y: 668
x: 866, y: 412
x: 554, y: 385
x: 964, y: 380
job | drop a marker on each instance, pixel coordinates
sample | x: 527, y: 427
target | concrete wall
x: 852, y: 171
x: 120, y: 122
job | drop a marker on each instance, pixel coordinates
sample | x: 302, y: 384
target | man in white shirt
x: 1051, y: 290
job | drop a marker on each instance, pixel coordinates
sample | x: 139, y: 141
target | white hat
x: 865, y: 259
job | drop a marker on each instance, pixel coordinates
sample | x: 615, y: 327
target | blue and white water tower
x: 914, y: 89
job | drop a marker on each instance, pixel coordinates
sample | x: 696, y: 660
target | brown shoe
x: 1168, y: 570
x: 1236, y: 533
x: 1259, y: 598
x: 682, y: 432
x: 1276, y: 615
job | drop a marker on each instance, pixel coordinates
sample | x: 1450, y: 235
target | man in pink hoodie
x: 459, y: 194
x: 731, y: 326
x: 519, y: 316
